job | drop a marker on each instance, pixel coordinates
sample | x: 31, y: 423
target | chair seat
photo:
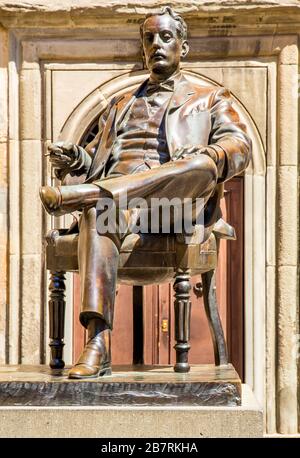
x: 144, y: 258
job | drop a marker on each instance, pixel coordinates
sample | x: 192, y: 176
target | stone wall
x: 251, y: 47
x: 3, y: 192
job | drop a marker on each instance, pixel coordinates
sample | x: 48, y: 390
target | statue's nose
x: 156, y: 41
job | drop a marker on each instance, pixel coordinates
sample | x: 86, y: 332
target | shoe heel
x: 105, y: 371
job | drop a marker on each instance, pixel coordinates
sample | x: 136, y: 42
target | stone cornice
x: 140, y: 7
x: 222, y: 17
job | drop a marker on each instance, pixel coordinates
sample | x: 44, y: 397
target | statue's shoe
x: 51, y: 199
x: 86, y: 371
x: 95, y: 359
x: 60, y: 200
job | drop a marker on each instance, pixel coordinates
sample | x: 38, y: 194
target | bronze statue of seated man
x: 170, y: 138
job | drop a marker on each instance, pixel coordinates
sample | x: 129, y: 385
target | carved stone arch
x: 89, y: 109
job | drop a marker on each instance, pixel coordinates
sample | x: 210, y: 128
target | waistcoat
x: 141, y: 139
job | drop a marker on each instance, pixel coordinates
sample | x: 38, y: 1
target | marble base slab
x: 204, y: 385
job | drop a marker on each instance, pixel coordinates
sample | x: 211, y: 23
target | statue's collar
x: 183, y: 90
x: 168, y: 84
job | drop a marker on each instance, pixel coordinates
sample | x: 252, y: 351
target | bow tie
x: 154, y: 86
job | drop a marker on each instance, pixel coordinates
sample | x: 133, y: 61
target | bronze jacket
x: 196, y: 115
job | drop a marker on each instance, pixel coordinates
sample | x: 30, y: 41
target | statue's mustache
x: 157, y: 54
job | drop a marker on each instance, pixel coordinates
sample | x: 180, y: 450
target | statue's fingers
x: 59, y: 159
x: 178, y: 153
x: 54, y: 152
x: 62, y: 147
x: 60, y: 163
x: 68, y: 147
x: 193, y: 149
x: 55, y: 155
x: 55, y: 146
x: 56, y: 163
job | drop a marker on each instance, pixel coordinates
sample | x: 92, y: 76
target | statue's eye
x: 148, y: 37
x: 167, y: 36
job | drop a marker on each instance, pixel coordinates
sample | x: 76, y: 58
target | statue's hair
x: 180, y: 22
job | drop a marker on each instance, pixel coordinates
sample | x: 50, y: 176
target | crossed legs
x: 99, y: 254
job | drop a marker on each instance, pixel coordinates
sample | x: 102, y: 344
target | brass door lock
x: 165, y: 325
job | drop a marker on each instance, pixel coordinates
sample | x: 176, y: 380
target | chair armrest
x: 223, y: 230
x: 53, y: 235
x: 61, y: 251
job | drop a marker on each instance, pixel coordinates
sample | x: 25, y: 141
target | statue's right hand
x: 62, y: 154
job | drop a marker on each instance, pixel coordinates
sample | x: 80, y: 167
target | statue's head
x: 164, y: 40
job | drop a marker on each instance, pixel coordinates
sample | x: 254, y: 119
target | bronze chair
x: 163, y: 257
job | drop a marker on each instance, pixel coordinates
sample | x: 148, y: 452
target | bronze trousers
x: 194, y: 177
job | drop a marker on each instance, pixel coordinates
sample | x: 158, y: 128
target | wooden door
x: 150, y: 338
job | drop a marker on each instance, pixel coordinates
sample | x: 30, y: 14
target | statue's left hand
x: 181, y: 153
x: 191, y: 151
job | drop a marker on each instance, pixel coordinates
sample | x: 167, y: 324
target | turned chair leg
x: 212, y: 313
x: 57, y: 307
x: 182, y: 305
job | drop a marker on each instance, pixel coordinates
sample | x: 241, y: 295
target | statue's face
x: 163, y: 48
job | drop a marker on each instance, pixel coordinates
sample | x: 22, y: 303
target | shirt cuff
x: 220, y: 156
x: 82, y: 163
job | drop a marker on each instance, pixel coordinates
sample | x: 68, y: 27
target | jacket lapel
x: 183, y: 93
x: 123, y: 106
x: 103, y: 148
x: 126, y: 101
x: 116, y: 115
x: 186, y: 123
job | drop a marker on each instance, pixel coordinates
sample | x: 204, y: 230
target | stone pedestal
x: 134, y: 422
x: 204, y: 385
x: 156, y: 403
